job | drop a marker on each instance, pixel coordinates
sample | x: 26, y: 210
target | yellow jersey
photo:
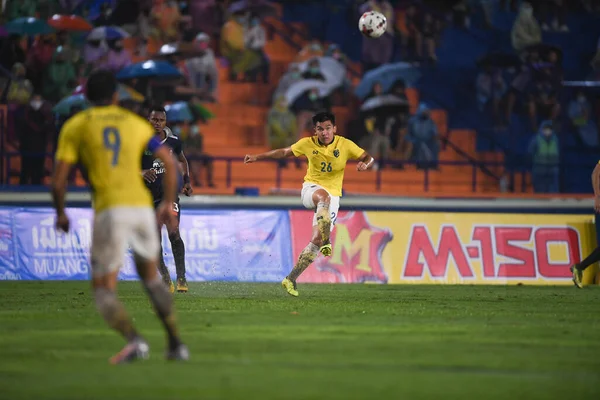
x: 108, y: 141
x: 326, y: 164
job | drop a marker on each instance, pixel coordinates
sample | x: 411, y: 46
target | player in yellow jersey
x: 327, y: 155
x: 108, y: 141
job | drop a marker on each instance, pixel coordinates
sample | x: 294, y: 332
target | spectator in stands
x: 491, y: 89
x: 430, y: 32
x: 33, y: 126
x: 422, y: 136
x: 167, y: 17
x: 376, y: 52
x: 117, y: 58
x: 376, y: 90
x: 60, y: 77
x: 233, y: 47
x: 11, y: 52
x: 256, y: 38
x: 313, y: 49
x: 553, y: 14
x: 306, y: 106
x: 38, y: 59
x: 544, y: 150
x: 313, y: 70
x: 526, y: 30
x: 412, y: 40
x: 20, y: 88
x: 543, y: 102
x: 292, y: 76
x: 580, y: 116
x: 281, y: 129
x: 377, y: 140
x: 201, y: 70
x: 197, y: 158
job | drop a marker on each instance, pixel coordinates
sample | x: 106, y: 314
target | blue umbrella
x: 387, y: 75
x: 149, y: 69
x: 64, y: 106
x: 108, y: 33
x: 179, y: 112
x: 28, y: 26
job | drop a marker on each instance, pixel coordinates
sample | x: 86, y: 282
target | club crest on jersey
x: 315, y: 152
x: 336, y: 153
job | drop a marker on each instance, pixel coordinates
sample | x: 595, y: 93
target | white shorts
x: 308, y: 189
x: 116, y: 229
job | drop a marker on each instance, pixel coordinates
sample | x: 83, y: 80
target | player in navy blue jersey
x: 153, y: 172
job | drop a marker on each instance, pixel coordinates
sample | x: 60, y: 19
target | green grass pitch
x: 252, y: 341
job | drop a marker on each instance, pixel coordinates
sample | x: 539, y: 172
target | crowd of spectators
x: 40, y: 70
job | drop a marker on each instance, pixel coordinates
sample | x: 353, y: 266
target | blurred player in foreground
x: 153, y: 171
x: 594, y: 257
x: 327, y: 155
x: 108, y: 141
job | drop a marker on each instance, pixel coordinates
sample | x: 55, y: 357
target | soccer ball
x: 372, y: 24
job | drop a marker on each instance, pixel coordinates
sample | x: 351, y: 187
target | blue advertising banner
x: 250, y: 246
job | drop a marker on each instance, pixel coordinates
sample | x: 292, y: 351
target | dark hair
x: 157, y: 109
x: 101, y: 86
x: 323, y: 116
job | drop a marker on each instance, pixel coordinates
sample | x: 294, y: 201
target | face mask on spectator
x: 176, y: 130
x: 255, y: 21
x: 547, y: 132
x: 314, y: 70
x: 295, y: 74
x: 313, y: 96
x: 36, y: 104
x: 194, y: 130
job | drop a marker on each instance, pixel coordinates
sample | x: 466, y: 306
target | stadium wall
x: 379, y: 240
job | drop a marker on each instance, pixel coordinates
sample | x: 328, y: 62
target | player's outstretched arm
x: 269, y: 155
x: 365, y: 161
x: 59, y: 191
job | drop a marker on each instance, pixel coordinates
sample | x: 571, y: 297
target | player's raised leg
x: 305, y: 259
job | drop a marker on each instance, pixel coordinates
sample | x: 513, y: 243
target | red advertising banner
x: 396, y: 247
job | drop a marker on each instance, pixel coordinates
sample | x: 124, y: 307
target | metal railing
x: 378, y: 180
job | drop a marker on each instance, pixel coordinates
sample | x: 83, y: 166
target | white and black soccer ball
x: 372, y: 24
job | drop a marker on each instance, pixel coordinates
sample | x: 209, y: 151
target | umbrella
x: 108, y: 33
x: 186, y: 112
x: 261, y: 8
x: 71, y: 23
x: 299, y: 88
x: 149, y: 69
x: 387, y: 101
x: 28, y: 26
x: 387, y: 75
x: 179, y: 112
x: 64, y: 106
x: 333, y: 71
x: 124, y: 92
x: 500, y: 60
